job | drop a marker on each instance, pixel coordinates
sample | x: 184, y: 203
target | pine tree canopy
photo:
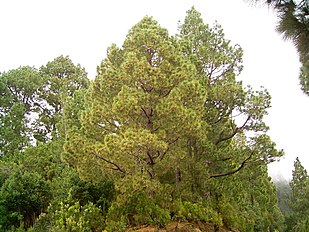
x: 166, y: 118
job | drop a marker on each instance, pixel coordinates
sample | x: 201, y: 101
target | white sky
x: 34, y: 32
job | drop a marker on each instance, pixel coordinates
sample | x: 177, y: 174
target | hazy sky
x: 34, y: 32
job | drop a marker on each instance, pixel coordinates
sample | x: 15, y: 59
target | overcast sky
x: 34, y: 32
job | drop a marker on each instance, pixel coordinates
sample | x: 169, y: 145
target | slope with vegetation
x: 164, y: 134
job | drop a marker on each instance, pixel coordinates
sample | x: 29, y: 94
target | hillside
x: 181, y: 227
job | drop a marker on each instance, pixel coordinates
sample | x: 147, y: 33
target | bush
x: 70, y: 216
x: 101, y: 194
x: 22, y: 198
x: 76, y: 218
x: 139, y: 209
x: 188, y: 211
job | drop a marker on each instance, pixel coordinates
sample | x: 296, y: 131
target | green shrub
x: 78, y: 218
x: 188, y: 211
x: 22, y: 198
x: 139, y: 209
x: 70, y: 216
x: 119, y: 225
x: 101, y: 194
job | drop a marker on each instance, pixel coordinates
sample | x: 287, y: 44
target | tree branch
x: 235, y: 131
x: 151, y: 161
x: 146, y: 113
x: 242, y: 165
x: 116, y: 167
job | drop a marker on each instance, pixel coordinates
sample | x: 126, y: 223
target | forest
x: 164, y: 133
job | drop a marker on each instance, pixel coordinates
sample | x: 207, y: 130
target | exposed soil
x: 181, y: 227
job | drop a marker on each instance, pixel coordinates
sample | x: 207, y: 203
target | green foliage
x: 298, y: 183
x: 20, y: 85
x: 304, y: 76
x: 139, y: 201
x: 302, y: 225
x: 299, y: 203
x: 77, y: 218
x: 294, y: 24
x: 18, y: 99
x: 13, y: 131
x: 44, y: 159
x: 22, y: 198
x: 283, y: 195
x: 71, y: 216
x: 164, y: 132
x: 6, y: 170
x: 166, y: 113
x: 101, y: 194
x: 195, y: 212
x: 139, y: 209
x: 31, y: 102
x: 247, y: 201
x: 78, y: 204
x: 61, y: 78
x: 119, y: 225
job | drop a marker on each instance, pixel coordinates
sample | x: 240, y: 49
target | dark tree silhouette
x: 294, y: 25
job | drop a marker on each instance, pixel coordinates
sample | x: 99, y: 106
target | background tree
x: 33, y: 175
x: 230, y: 112
x: 299, y: 220
x: 284, y: 197
x: 23, y: 197
x: 61, y: 79
x: 229, y: 109
x: 18, y: 100
x: 31, y: 102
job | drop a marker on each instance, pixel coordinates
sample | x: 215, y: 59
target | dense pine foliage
x: 165, y: 132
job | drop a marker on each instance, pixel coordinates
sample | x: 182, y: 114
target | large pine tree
x: 166, y: 119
